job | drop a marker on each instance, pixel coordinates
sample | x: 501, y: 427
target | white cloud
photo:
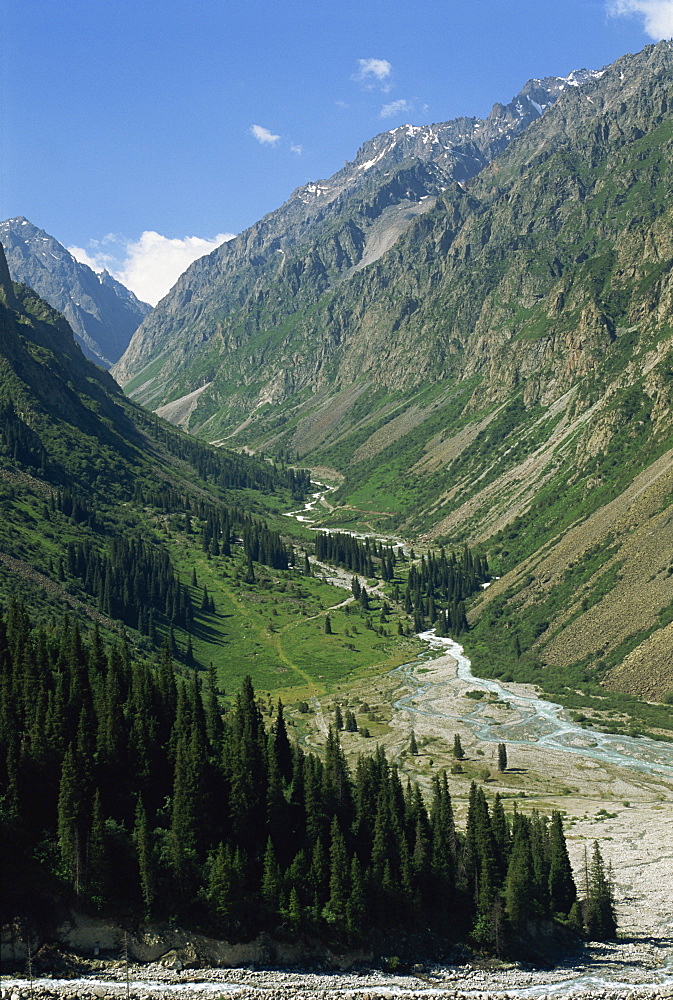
x: 297, y: 149
x: 150, y: 265
x: 97, y: 263
x: 400, y: 107
x: 373, y: 73
x: 263, y: 135
x: 378, y: 68
x: 657, y: 15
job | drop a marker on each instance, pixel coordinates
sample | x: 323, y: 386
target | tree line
x: 438, y: 585
x: 126, y: 788
x: 226, y: 468
x: 367, y: 557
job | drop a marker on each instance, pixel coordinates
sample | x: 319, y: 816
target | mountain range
x: 467, y: 336
x: 102, y: 312
x: 247, y: 295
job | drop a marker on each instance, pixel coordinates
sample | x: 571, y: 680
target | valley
x: 347, y: 626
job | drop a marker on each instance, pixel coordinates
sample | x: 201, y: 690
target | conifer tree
x: 519, y: 879
x: 562, y: 890
x: 356, y: 907
x: 69, y: 819
x: 96, y: 860
x: 281, y: 745
x: 146, y: 865
x: 600, y: 918
x: 336, y: 907
x: 271, y: 877
x: 350, y: 722
x: 501, y: 833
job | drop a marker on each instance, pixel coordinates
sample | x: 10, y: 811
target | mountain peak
x: 103, y: 313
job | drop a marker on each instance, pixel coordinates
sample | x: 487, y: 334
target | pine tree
x: 501, y: 833
x: 356, y: 906
x: 271, y: 877
x: 458, y: 751
x: 335, y: 909
x: 562, y: 890
x: 350, y: 722
x: 146, y: 866
x: 519, y: 879
x: 69, y: 819
x: 96, y: 859
x: 502, y: 757
x: 600, y: 918
x: 281, y: 745
x: 413, y: 746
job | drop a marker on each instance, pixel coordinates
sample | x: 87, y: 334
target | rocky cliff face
x: 103, y: 313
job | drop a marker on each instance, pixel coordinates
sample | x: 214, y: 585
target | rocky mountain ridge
x: 102, y: 312
x: 325, y: 233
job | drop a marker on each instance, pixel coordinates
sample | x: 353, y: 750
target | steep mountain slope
x: 120, y: 519
x: 234, y: 310
x: 80, y: 464
x: 103, y: 313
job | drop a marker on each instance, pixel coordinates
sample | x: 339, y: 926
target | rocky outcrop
x: 172, y: 948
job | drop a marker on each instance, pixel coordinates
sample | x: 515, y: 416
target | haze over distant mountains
x: 102, y: 312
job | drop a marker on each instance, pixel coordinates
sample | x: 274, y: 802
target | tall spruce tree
x: 562, y: 889
x: 600, y: 916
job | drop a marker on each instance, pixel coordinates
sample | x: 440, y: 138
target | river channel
x: 532, y: 719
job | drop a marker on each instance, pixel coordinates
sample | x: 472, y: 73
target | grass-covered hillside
x: 153, y: 537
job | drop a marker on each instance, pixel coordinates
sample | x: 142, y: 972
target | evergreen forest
x: 128, y: 791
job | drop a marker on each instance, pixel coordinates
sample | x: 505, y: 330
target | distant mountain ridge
x: 327, y: 231
x: 102, y: 312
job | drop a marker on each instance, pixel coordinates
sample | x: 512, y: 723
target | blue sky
x: 144, y: 131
